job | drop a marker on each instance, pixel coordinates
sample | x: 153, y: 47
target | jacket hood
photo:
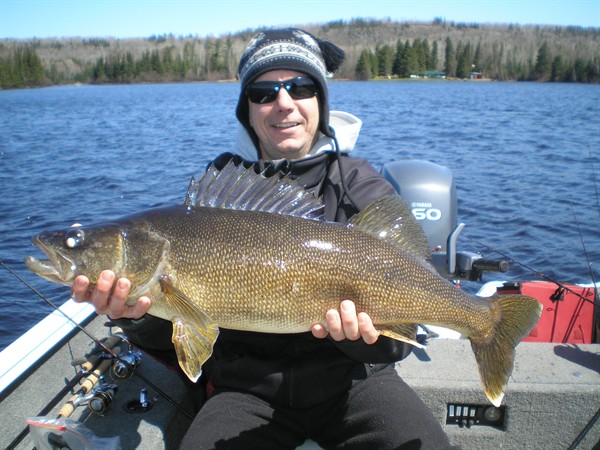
x: 345, y: 125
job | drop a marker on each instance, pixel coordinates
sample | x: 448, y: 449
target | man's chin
x: 288, y: 149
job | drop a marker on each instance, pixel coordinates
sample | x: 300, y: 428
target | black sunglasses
x: 267, y: 91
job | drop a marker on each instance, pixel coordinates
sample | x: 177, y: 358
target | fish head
x: 130, y: 252
x: 76, y: 251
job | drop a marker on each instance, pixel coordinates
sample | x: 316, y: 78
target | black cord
x: 345, y: 189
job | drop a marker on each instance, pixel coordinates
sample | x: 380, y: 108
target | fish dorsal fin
x: 389, y: 218
x: 240, y: 188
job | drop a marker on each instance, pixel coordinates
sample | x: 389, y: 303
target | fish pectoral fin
x: 194, y: 332
x: 404, y: 332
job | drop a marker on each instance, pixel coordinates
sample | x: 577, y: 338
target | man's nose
x: 284, y: 99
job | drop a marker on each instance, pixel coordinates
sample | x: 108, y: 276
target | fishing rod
x: 587, y: 257
x: 562, y: 286
x: 127, y: 366
x: 594, y: 178
x: 88, y: 367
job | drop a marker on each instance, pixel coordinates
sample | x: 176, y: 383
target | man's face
x: 286, y: 128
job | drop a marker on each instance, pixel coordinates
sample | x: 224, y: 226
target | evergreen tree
x: 412, y: 66
x: 35, y: 70
x: 363, y: 66
x: 396, y: 67
x: 592, y: 72
x: 579, y: 70
x: 167, y: 60
x: 385, y: 60
x: 229, y: 60
x: 543, y: 62
x: 189, y: 60
x: 433, y: 58
x: 23, y: 68
x: 144, y: 64
x: 464, y: 60
x: 129, y: 65
x: 450, y: 59
x: 477, y: 58
x: 5, y: 73
x: 98, y: 75
x: 423, y: 55
x: 374, y: 63
x: 216, y: 61
x: 156, y: 62
x: 401, y: 59
x: 557, y: 69
x: 404, y: 69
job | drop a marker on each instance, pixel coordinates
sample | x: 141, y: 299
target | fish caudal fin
x: 194, y: 336
x: 516, y: 317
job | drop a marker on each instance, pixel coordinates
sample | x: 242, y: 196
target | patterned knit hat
x: 288, y: 49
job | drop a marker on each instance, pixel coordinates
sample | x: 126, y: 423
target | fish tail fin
x: 515, y: 317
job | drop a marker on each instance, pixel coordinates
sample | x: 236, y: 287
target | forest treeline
x: 374, y: 48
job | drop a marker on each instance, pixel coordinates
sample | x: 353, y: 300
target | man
x: 336, y: 385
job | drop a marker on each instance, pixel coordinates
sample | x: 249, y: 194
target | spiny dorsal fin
x: 389, y: 218
x: 236, y: 187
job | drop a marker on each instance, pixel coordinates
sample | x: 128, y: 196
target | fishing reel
x: 100, y: 398
x: 126, y: 363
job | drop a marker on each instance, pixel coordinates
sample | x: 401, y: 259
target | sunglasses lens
x: 262, y: 92
x: 267, y: 91
x: 302, y: 88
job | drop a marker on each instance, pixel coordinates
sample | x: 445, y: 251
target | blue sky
x: 143, y: 18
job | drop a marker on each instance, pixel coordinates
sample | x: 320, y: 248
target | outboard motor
x: 430, y: 192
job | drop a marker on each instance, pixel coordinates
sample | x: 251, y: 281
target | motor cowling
x: 430, y: 191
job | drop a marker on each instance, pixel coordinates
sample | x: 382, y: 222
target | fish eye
x: 74, y: 238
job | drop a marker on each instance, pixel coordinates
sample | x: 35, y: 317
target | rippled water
x: 525, y: 159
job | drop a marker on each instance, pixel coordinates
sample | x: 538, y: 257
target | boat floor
x: 551, y: 398
x: 162, y: 426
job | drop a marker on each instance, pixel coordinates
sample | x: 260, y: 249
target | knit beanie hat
x: 288, y: 49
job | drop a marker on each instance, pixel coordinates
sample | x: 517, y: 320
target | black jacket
x: 297, y: 370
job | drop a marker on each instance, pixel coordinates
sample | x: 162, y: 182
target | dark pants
x: 381, y: 412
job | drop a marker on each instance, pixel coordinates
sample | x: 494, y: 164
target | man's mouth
x: 286, y: 125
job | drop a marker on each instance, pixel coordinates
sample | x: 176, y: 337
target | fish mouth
x: 58, y: 268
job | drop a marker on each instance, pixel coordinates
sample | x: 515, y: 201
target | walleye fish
x: 247, y: 252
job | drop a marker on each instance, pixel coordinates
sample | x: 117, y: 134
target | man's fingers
x: 101, y: 293
x: 347, y: 324
x: 367, y: 330
x: 118, y: 299
x: 79, y: 291
x: 334, y: 323
x: 319, y: 331
x: 138, y: 309
x: 349, y: 320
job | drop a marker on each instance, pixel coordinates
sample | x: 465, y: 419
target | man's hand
x: 347, y: 324
x: 109, y: 297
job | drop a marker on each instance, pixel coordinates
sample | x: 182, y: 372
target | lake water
x: 525, y: 157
